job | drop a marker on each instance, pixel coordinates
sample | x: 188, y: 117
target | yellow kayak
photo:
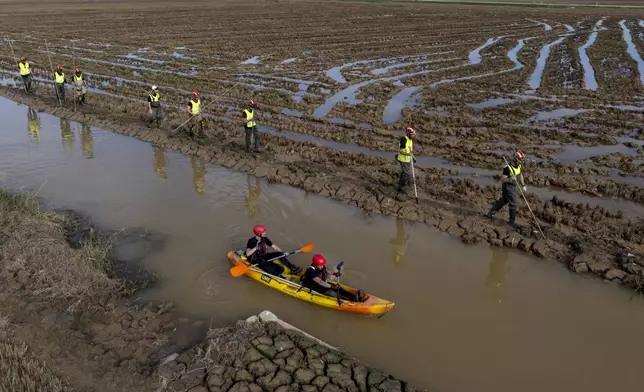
x: 371, y: 306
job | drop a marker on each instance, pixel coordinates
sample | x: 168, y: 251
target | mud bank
x: 261, y: 354
x: 573, y: 231
x: 69, y: 322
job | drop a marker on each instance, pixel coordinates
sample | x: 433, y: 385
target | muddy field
x: 564, y: 85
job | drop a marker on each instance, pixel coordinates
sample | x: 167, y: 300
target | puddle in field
x: 569, y: 28
x: 132, y: 56
x: 512, y: 55
x: 404, y: 99
x: 344, y: 121
x: 590, y: 83
x: 292, y: 112
x: 479, y: 300
x: 491, y: 103
x: 573, y: 153
x: 632, y: 50
x: 252, y: 60
x: 475, y: 55
x: 288, y: 61
x: 556, y: 114
x: 387, y: 69
x: 181, y: 56
x: 545, y: 25
x: 535, y: 79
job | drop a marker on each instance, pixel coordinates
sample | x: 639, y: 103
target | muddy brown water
x: 467, y: 318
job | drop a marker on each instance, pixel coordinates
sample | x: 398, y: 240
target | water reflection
x: 67, y: 136
x: 159, y: 161
x: 496, y: 274
x: 198, y: 173
x: 34, y: 125
x: 87, y: 142
x: 252, y: 209
x: 399, y: 242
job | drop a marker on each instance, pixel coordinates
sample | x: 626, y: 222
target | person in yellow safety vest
x: 59, y: 78
x: 25, y: 73
x: 405, y: 157
x: 250, y: 126
x: 194, y: 110
x: 154, y: 107
x: 508, y: 189
x: 79, y: 84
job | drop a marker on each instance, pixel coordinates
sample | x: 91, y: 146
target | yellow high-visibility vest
x: 514, y: 171
x: 250, y: 116
x: 196, y: 106
x: 24, y: 68
x: 405, y: 153
x: 60, y: 77
x: 78, y: 77
x: 154, y: 98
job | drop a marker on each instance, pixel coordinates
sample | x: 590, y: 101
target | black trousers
x: 508, y: 196
x: 26, y: 79
x: 333, y: 292
x: 252, y: 138
x: 270, y: 266
x: 405, y: 176
x: 60, y: 91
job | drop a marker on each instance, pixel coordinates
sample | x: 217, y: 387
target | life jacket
x: 24, y: 68
x: 514, y: 171
x: 250, y: 116
x: 154, y: 100
x: 60, y: 77
x: 196, y: 106
x: 405, y: 153
x: 309, y: 282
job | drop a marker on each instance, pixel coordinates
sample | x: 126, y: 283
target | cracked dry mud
x: 257, y: 356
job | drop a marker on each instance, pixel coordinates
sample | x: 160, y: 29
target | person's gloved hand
x: 525, y: 189
x: 337, y: 273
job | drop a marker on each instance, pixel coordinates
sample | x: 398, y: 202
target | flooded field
x: 474, y: 302
x: 566, y: 86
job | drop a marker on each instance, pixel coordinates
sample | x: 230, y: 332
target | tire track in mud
x: 454, y: 206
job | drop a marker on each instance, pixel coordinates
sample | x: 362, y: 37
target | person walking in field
x: 59, y: 78
x: 154, y: 107
x: 80, y: 87
x: 250, y: 127
x: 194, y: 109
x: 25, y: 73
x: 405, y: 158
x: 508, y: 188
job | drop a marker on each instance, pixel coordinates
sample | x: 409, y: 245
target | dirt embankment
x: 573, y: 231
x: 68, y: 322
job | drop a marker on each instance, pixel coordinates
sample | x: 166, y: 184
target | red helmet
x: 195, y: 94
x: 59, y: 66
x: 259, y: 230
x: 77, y: 70
x: 319, y: 260
x: 22, y: 58
x: 519, y: 155
x: 410, y: 131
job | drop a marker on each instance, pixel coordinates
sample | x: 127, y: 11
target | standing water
x: 632, y: 50
x: 467, y: 318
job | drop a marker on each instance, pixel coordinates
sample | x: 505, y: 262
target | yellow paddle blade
x: 307, y: 248
x: 239, y: 270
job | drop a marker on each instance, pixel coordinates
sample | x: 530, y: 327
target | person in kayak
x: 257, y: 253
x: 315, y: 278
